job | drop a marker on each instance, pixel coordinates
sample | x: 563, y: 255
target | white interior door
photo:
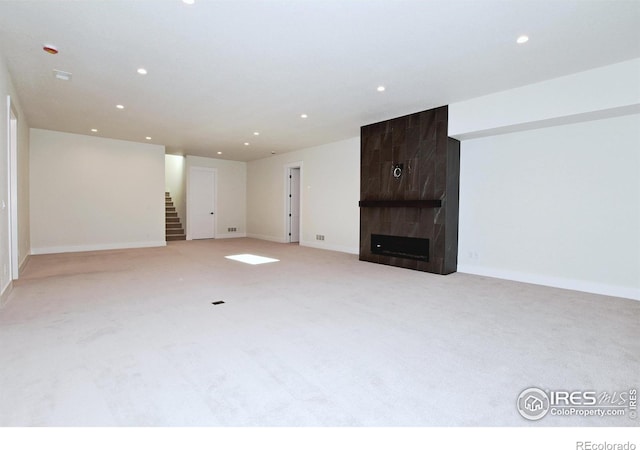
x: 294, y: 204
x: 202, y: 199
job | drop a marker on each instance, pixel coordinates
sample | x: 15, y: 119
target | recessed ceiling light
x: 52, y: 50
x: 219, y: 153
x: 246, y: 143
x: 188, y: 2
x: 119, y: 106
x: 522, y: 39
x: 381, y: 88
x: 94, y: 130
x: 304, y: 116
x: 142, y: 71
x: 256, y: 133
x: 148, y: 138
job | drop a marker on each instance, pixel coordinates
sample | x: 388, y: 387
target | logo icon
x: 533, y: 404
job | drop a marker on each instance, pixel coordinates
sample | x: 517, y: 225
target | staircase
x: 174, y: 229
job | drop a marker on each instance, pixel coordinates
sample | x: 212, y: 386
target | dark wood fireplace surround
x: 409, y: 184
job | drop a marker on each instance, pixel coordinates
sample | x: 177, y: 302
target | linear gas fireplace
x: 400, y: 247
x: 410, y: 171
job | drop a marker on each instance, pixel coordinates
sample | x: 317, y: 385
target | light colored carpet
x: 130, y: 338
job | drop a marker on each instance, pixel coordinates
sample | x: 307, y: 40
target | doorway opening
x: 293, y: 199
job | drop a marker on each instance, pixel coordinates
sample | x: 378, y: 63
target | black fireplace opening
x: 400, y: 247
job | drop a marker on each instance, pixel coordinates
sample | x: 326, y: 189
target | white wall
x: 6, y: 89
x: 175, y: 183
x: 549, y: 189
x: 330, y: 190
x: 558, y: 206
x: 92, y: 193
x: 231, y: 194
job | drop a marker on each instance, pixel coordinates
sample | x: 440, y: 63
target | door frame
x: 215, y: 199
x: 287, y: 205
x: 12, y: 185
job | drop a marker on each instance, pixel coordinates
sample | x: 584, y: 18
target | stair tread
x: 173, y: 227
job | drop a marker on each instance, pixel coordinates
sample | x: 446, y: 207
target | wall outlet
x: 319, y: 237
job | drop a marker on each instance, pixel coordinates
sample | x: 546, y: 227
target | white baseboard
x: 4, y: 296
x: 263, y: 237
x: 313, y: 244
x: 334, y: 248
x: 544, y: 280
x: 230, y: 235
x: 94, y: 247
x: 22, y: 265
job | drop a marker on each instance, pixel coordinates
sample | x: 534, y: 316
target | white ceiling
x: 221, y: 69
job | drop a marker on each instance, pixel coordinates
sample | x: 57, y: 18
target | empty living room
x: 262, y: 223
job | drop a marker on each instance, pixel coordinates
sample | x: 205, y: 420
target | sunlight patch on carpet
x: 252, y: 259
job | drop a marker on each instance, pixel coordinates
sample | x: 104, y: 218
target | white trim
x: 333, y: 248
x: 264, y: 237
x: 90, y: 248
x: 287, y: 223
x: 231, y: 235
x: 545, y: 280
x: 12, y: 148
x: 24, y: 262
x: 4, y: 296
x: 312, y: 244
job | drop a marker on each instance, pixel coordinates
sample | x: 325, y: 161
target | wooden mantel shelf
x: 400, y: 203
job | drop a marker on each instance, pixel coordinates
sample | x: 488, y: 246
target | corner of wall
x: 4, y: 296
